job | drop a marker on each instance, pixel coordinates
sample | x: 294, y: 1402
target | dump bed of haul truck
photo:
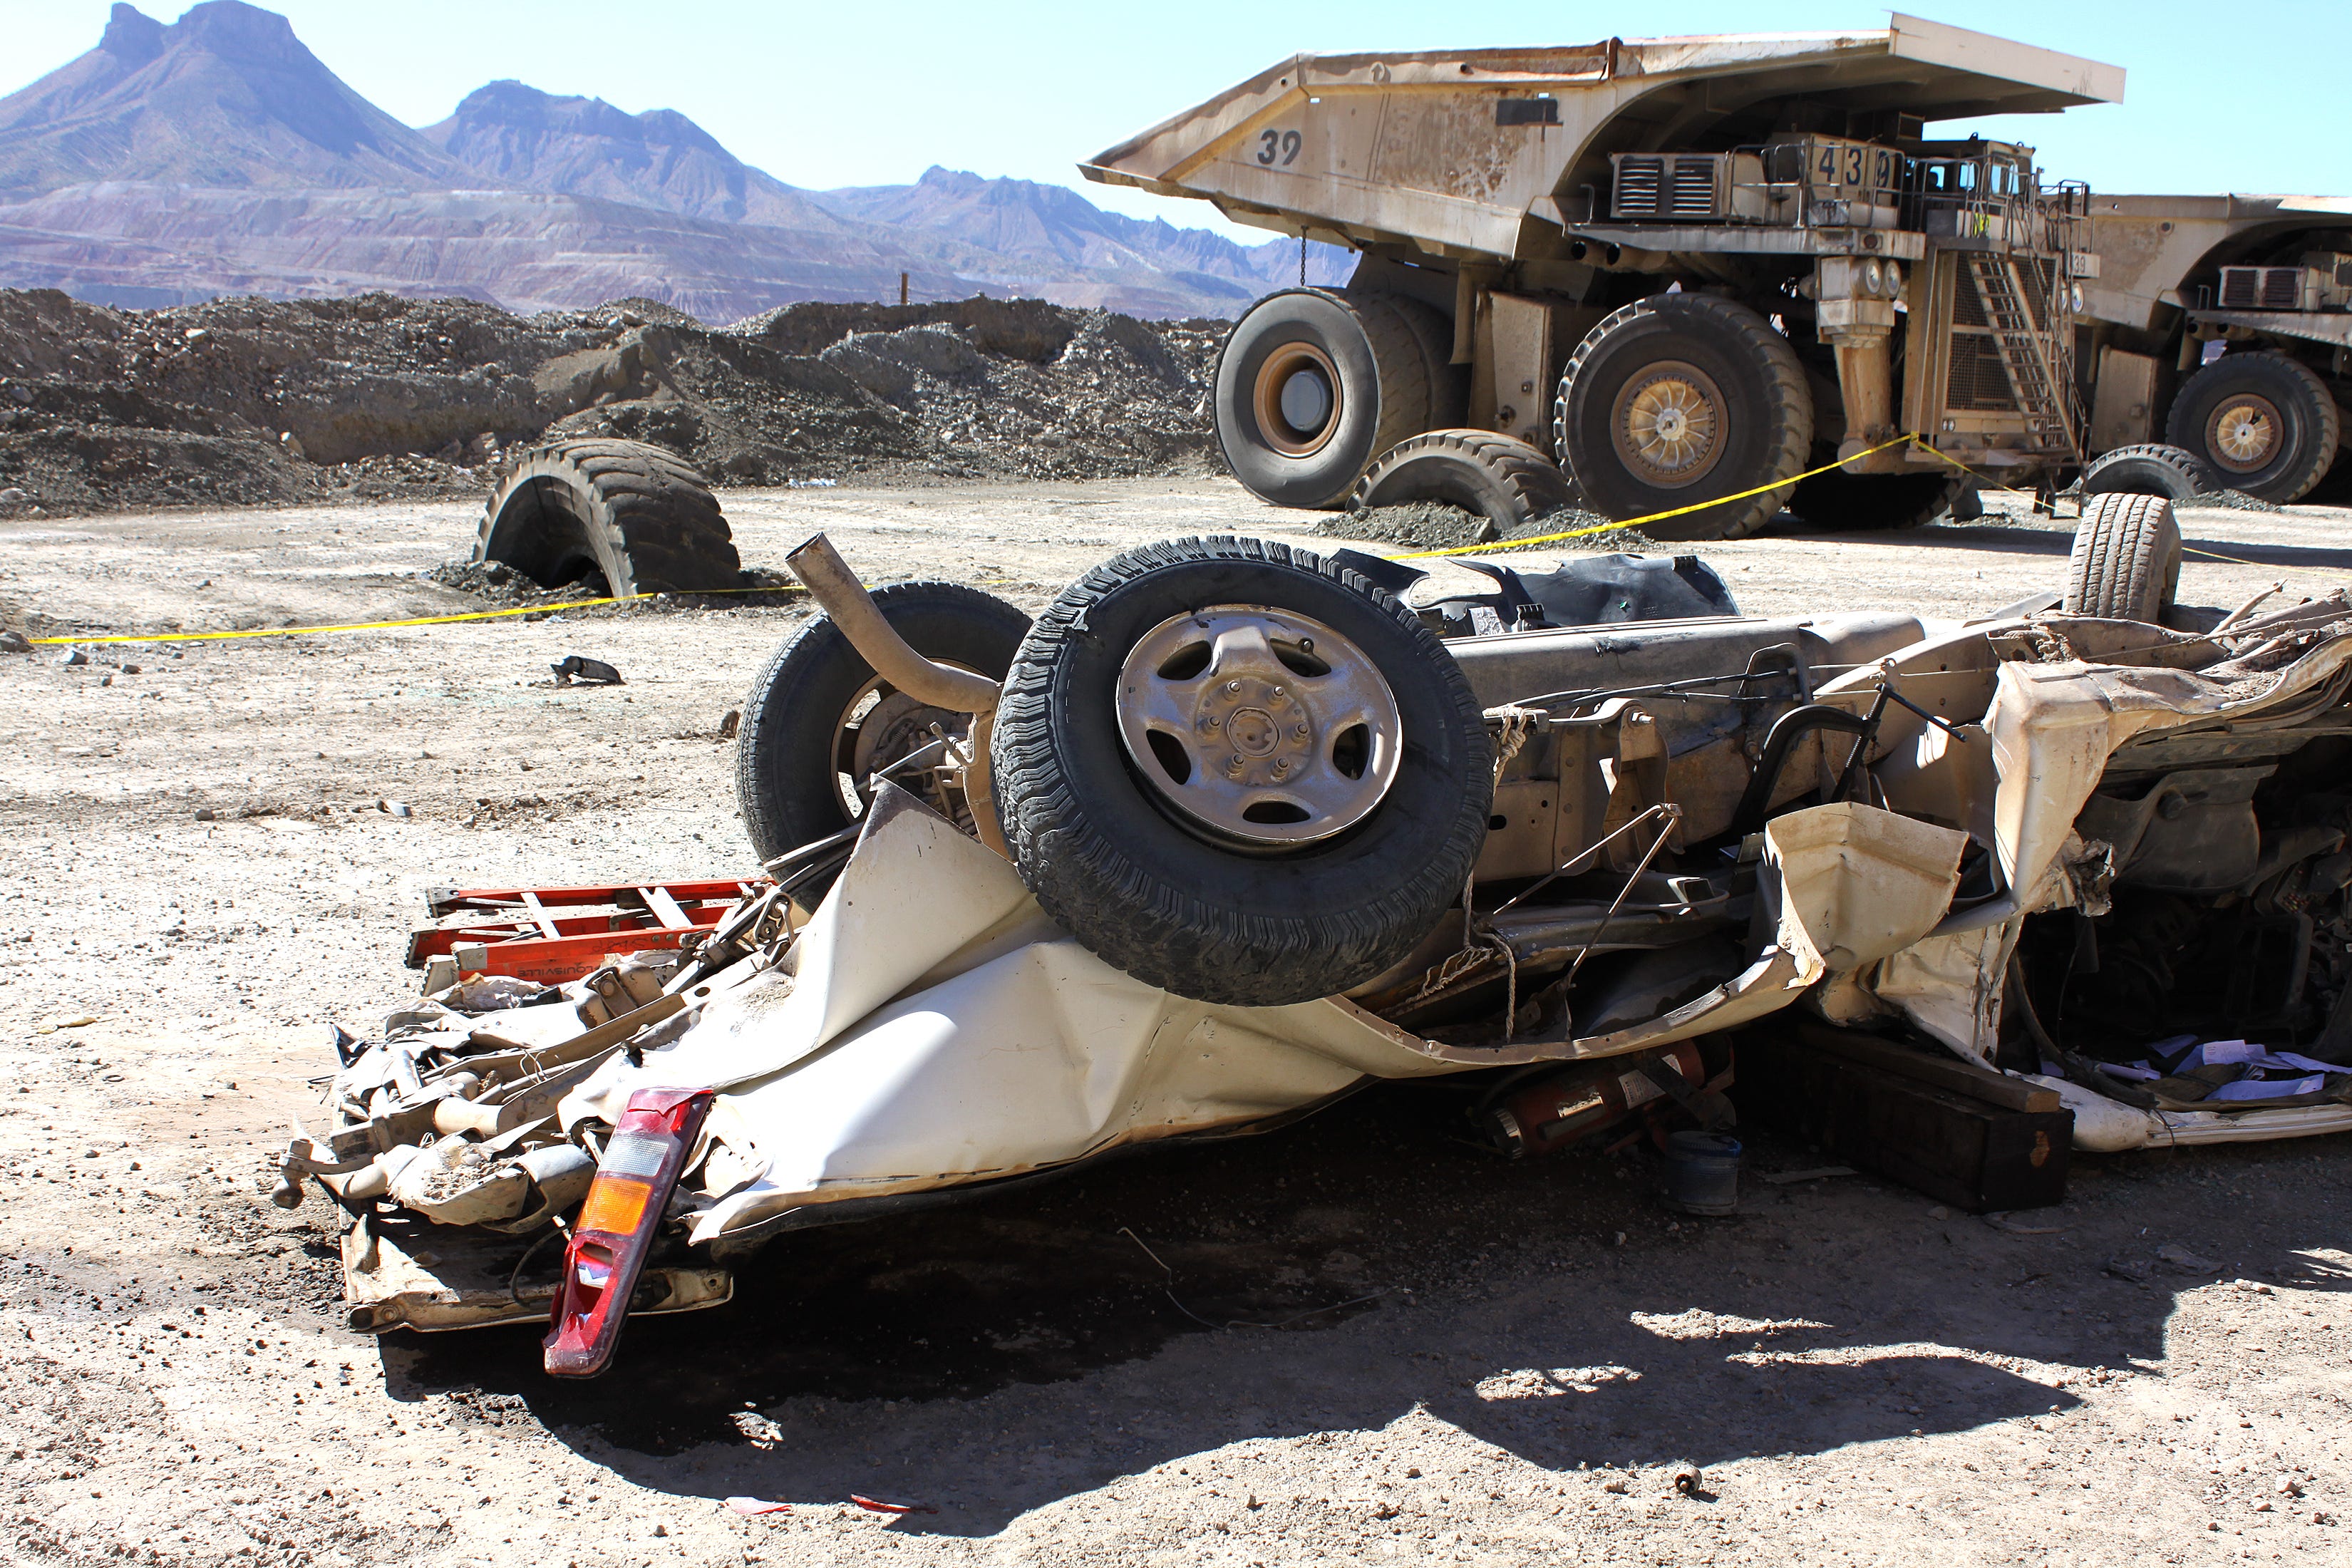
x: 1695, y: 272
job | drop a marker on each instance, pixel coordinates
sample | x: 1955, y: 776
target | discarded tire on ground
x: 1504, y: 481
x: 1313, y: 384
x: 1239, y: 772
x: 2172, y: 472
x: 1684, y: 398
x: 2263, y: 423
x: 819, y: 723
x: 632, y: 514
x: 2127, y: 560
x: 1840, y: 500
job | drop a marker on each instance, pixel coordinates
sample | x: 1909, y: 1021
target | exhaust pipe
x: 838, y: 592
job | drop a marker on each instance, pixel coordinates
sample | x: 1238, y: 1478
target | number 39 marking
x: 1278, y: 146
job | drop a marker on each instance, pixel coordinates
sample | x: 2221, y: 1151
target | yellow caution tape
x: 1654, y: 517
x: 394, y: 625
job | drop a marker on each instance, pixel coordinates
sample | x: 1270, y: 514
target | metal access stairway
x: 2039, y: 366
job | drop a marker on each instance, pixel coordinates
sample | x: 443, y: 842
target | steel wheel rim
x: 878, y: 726
x: 1668, y: 424
x: 1260, y: 726
x: 1274, y: 374
x: 2244, y: 431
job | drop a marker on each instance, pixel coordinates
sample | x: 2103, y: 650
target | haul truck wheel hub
x: 1297, y: 399
x: 2243, y: 433
x: 1668, y: 424
x: 1260, y: 725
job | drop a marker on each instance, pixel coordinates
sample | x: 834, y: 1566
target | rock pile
x: 250, y: 401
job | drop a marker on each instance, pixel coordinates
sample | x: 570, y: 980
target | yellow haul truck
x: 1687, y: 271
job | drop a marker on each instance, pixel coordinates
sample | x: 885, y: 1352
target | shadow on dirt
x: 995, y: 1358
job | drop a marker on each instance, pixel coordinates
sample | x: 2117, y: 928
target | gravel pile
x: 1436, y: 525
x: 252, y: 402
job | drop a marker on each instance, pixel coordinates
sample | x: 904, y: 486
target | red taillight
x: 616, y: 1232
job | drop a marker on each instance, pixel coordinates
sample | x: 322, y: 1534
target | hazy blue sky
x: 2223, y: 94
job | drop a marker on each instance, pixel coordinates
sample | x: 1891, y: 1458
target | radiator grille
x: 1651, y: 186
x: 1979, y: 382
x: 2262, y: 287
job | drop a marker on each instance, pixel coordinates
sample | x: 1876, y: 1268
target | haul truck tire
x: 819, y: 723
x: 2126, y: 564
x: 637, y: 516
x: 2263, y: 423
x: 1842, y: 502
x: 1240, y: 772
x: 2171, y: 472
x: 1678, y: 399
x: 1312, y: 385
x: 1501, y: 479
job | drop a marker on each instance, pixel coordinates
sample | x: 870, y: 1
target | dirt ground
x: 1471, y: 1361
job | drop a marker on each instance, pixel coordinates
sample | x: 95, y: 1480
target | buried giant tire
x: 1500, y: 478
x: 2150, y: 469
x: 1239, y: 772
x: 2262, y: 423
x: 637, y: 516
x: 1680, y: 399
x: 819, y: 722
x: 1313, y: 384
x: 2126, y: 564
x: 1842, y: 502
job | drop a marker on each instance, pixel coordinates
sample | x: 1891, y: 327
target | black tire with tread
x: 1851, y: 502
x: 2315, y: 425
x: 637, y: 515
x: 1391, y: 385
x: 2150, y: 469
x: 1174, y: 908
x: 2126, y: 564
x: 1499, y: 477
x: 1770, y: 434
x: 786, y: 753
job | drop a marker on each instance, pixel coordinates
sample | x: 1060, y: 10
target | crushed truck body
x: 1260, y: 831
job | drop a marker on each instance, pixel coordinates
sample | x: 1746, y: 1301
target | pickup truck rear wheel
x: 1313, y: 384
x: 819, y: 723
x: 637, y: 516
x: 1240, y: 773
x: 2127, y: 560
x: 2263, y: 423
x: 1679, y: 399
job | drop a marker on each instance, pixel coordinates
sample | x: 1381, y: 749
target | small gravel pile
x: 244, y: 402
x: 1437, y: 525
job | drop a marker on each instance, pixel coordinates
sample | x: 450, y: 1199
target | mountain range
x: 217, y: 154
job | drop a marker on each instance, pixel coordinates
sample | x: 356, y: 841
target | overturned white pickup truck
x: 1233, y: 828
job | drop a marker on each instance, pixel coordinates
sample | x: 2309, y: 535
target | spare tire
x: 1501, y: 479
x: 636, y: 515
x: 1240, y: 772
x: 1312, y: 385
x: 819, y: 722
x: 2172, y: 472
x: 2126, y: 564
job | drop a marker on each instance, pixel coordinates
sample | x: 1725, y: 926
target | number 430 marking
x: 1278, y: 146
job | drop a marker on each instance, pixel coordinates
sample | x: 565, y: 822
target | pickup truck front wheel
x: 1679, y: 400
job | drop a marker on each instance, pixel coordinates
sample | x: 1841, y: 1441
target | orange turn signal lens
x: 615, y: 1204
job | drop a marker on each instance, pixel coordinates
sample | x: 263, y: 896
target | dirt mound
x: 252, y: 401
